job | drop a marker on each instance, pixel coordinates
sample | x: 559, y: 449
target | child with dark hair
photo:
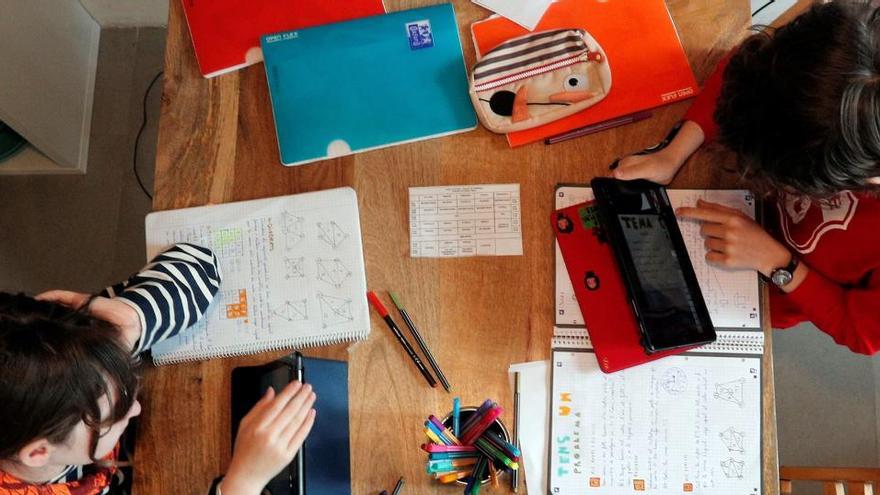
x: 800, y: 106
x: 69, y: 381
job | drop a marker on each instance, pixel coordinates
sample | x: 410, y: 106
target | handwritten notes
x: 732, y: 296
x: 684, y: 424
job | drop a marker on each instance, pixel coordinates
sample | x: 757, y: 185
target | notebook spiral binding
x: 257, y: 347
x: 728, y: 342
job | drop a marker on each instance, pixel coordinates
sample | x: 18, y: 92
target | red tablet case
x: 226, y: 33
x: 598, y: 287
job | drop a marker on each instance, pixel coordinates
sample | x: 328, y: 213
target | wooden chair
x: 835, y: 481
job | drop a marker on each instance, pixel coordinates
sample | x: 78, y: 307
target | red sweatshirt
x: 839, y: 241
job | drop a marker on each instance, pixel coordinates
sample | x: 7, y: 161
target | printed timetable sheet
x: 471, y: 220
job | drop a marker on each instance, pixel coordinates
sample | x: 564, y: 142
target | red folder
x: 226, y: 33
x: 598, y: 287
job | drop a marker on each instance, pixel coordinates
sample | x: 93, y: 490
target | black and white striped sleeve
x: 171, y: 293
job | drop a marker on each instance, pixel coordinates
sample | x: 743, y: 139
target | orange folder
x: 648, y: 65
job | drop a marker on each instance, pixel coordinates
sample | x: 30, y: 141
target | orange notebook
x: 648, y: 64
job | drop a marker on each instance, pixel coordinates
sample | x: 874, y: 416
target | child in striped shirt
x: 69, y: 381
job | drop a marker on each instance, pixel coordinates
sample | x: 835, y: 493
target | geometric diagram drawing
x: 335, y: 310
x: 333, y: 272
x: 294, y: 268
x: 294, y: 228
x: 731, y: 391
x: 293, y: 311
x: 674, y: 381
x: 732, y: 439
x: 331, y: 234
x: 732, y: 468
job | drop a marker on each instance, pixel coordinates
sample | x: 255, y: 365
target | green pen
x: 420, y: 341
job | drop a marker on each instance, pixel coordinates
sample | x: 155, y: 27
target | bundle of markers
x: 471, y: 450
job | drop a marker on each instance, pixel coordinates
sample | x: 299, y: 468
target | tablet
x: 642, y: 230
x: 249, y: 383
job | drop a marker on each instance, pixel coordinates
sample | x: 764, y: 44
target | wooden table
x: 217, y: 144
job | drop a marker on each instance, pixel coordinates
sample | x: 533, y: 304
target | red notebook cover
x: 598, y: 287
x: 649, y: 67
x: 226, y: 33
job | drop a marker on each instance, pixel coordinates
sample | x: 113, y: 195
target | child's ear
x: 874, y: 180
x: 36, y: 454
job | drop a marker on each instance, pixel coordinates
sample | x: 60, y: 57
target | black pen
x: 300, y: 456
x: 419, y: 340
x: 398, y: 487
x: 378, y: 306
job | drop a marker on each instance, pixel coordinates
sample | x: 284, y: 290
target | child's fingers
x: 280, y: 400
x: 702, y: 203
x: 713, y: 230
x: 295, y: 418
x: 73, y: 300
x: 261, y: 404
x: 704, y: 214
x: 300, y: 436
x: 294, y: 406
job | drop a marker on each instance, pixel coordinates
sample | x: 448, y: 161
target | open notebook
x: 292, y: 274
x: 689, y: 423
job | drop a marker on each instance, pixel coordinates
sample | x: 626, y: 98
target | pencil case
x: 535, y: 79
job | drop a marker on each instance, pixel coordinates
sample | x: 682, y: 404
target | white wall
x: 128, y: 13
x: 49, y: 54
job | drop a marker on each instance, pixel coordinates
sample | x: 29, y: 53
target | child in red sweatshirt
x: 800, y: 106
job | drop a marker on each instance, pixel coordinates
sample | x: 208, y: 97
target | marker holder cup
x: 496, y: 427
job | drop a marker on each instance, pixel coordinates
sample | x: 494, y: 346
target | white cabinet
x: 48, y: 60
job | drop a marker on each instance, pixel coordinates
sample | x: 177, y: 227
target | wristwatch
x: 783, y: 276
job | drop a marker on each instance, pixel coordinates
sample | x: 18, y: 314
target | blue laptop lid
x: 368, y: 83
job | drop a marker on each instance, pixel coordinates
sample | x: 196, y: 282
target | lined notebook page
x: 292, y: 274
x: 683, y: 424
x: 732, y: 296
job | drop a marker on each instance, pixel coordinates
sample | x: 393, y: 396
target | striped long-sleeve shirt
x: 171, y: 293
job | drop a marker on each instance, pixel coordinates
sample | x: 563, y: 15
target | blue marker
x: 456, y: 413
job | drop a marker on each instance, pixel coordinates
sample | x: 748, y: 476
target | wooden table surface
x: 217, y: 144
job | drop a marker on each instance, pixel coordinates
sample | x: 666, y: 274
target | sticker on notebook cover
x: 419, y: 34
x: 589, y: 217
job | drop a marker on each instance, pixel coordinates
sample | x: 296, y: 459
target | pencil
x: 601, y: 126
x: 398, y: 487
x: 420, y: 341
x: 380, y: 308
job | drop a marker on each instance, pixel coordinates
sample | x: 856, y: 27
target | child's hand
x: 734, y: 240
x: 112, y: 311
x: 656, y: 167
x: 268, y: 438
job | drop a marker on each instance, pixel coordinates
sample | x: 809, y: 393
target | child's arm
x: 170, y: 294
x: 268, y: 438
x: 849, y: 315
x: 661, y: 166
x: 699, y: 127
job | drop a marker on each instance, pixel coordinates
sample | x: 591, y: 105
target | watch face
x: 781, y: 278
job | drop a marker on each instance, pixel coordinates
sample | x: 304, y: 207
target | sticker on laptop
x: 419, y: 34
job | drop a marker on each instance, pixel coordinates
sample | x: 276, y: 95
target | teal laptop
x: 364, y: 84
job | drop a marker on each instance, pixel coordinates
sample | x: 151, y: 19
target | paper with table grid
x: 292, y: 274
x: 457, y: 221
x: 684, y: 424
x: 732, y: 296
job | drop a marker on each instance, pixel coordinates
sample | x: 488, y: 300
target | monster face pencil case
x: 534, y: 79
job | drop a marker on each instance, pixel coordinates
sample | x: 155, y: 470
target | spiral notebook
x: 292, y: 272
x: 689, y: 423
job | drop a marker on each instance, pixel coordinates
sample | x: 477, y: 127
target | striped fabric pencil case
x: 538, y: 78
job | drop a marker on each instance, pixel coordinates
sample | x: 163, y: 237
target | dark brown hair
x: 55, y: 363
x: 800, y: 105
